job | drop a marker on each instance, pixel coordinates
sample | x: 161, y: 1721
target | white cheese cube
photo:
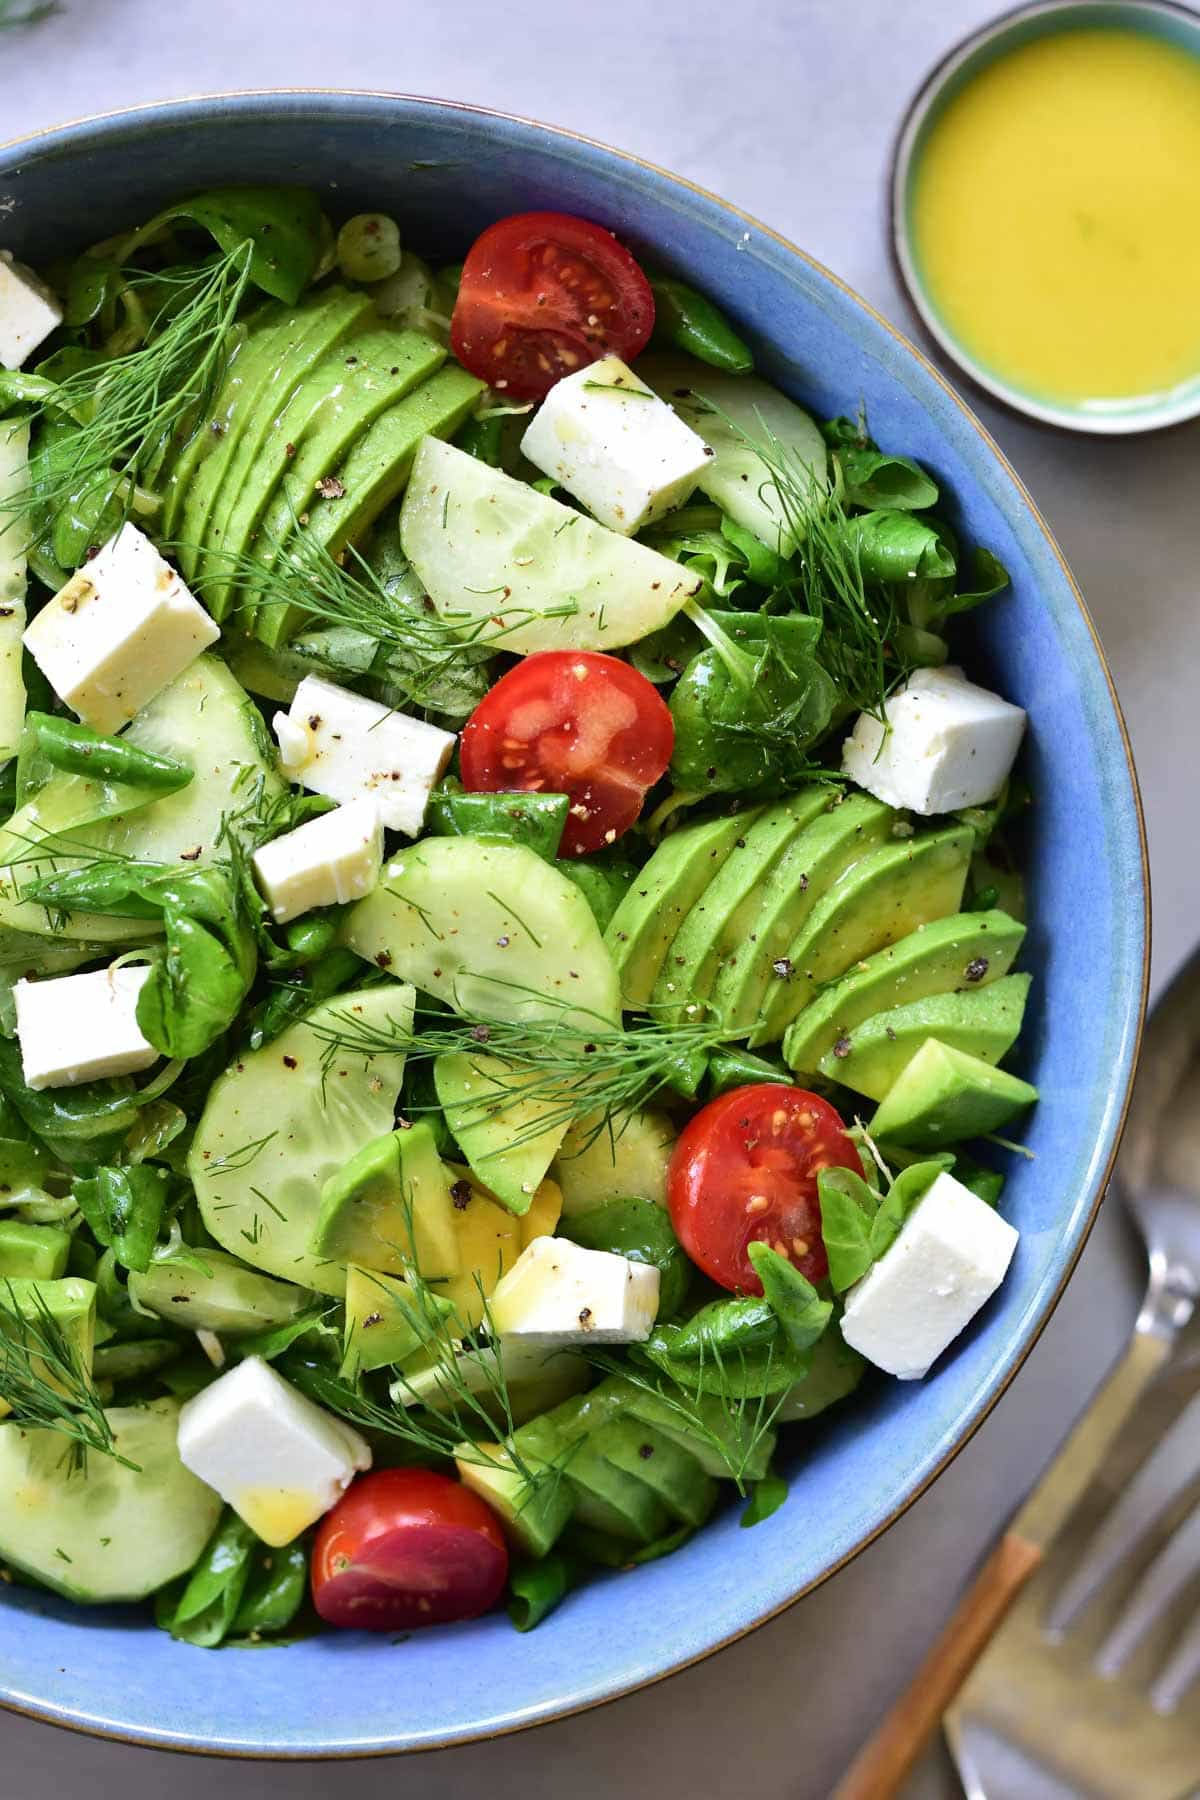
x: 947, y: 744
x: 120, y: 630
x: 344, y: 745
x: 326, y: 862
x: 271, y: 1454
x: 81, y: 1027
x: 620, y: 450
x: 29, y: 311
x: 558, y: 1293
x: 951, y: 1255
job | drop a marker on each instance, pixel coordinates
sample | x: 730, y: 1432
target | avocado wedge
x: 641, y: 930
x: 965, y: 951
x: 945, y: 1095
x: 749, y: 984
x: 727, y: 910
x: 984, y: 1022
x: 892, y: 892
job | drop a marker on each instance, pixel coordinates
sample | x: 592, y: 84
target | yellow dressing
x: 1055, y: 215
x: 277, y: 1515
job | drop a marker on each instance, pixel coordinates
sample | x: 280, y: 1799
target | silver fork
x: 1089, y: 1678
x: 1033, y: 1694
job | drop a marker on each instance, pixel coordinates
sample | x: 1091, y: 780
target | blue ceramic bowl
x: 446, y: 171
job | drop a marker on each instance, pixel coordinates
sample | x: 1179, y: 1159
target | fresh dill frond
x: 421, y: 646
x: 44, y: 1381
x: 127, y: 408
x: 565, y: 1060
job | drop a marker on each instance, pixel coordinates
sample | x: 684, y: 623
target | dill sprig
x: 425, y: 646
x: 44, y: 1381
x: 567, y: 1060
x: 128, y: 407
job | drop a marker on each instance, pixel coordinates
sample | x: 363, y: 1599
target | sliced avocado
x: 595, y: 1164
x: 893, y: 891
x: 639, y: 933
x: 534, y: 1380
x: 984, y: 1022
x: 499, y: 1133
x: 750, y: 981
x: 944, y: 1095
x: 727, y: 911
x: 224, y: 1296
x: 247, y: 404
x: 662, y: 1465
x: 834, y: 1371
x: 490, y: 1239
x: 607, y: 1499
x: 385, y: 1320
x: 68, y: 1304
x: 282, y: 1119
x: 32, y: 1252
x: 720, y: 1445
x: 532, y: 1513
x: 374, y: 471
x: 119, y: 1533
x: 330, y: 405
x: 965, y: 951
x: 992, y: 874
x: 389, y: 1206
x: 248, y: 361
x: 249, y: 467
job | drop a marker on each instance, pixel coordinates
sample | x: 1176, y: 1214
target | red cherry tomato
x: 745, y: 1171
x: 406, y: 1547
x: 543, y: 294
x: 577, y: 723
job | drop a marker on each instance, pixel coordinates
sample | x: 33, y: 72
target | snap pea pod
x: 78, y: 750
x: 536, y: 1588
x: 685, y: 319
x: 274, y: 1591
x: 206, y: 1609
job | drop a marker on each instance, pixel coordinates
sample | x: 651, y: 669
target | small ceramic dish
x: 1160, y: 21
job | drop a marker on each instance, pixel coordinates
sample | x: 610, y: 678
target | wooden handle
x: 884, y: 1762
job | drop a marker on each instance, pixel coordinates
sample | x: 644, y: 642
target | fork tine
x: 1174, y: 1566
x: 1179, y: 1671
x: 1162, y: 1478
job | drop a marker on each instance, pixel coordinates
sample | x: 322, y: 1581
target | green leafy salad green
x: 508, y: 920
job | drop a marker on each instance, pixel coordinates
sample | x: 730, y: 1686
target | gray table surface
x: 787, y: 107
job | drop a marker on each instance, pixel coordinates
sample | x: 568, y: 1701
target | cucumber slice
x: 596, y: 1165
x: 113, y: 1533
x: 733, y: 414
x: 204, y: 717
x: 489, y: 928
x: 281, y: 1120
x: 472, y: 531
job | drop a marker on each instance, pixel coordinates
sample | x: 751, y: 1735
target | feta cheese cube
x: 558, y: 1293
x: 271, y: 1454
x: 951, y: 1255
x: 344, y: 745
x: 81, y: 1027
x: 120, y: 630
x: 947, y: 744
x: 330, y: 860
x: 620, y: 450
x: 29, y: 311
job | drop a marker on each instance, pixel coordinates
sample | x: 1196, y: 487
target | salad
x: 508, y: 914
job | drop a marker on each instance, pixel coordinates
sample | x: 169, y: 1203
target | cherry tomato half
x: 571, y: 722
x: 406, y: 1547
x: 543, y: 294
x: 745, y: 1171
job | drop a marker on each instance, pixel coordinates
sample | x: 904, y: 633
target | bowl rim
x: 1155, y: 413
x: 149, y: 110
